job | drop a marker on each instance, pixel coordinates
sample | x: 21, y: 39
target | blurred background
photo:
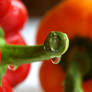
x: 36, y: 10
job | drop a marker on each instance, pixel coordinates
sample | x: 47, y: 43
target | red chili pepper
x: 13, y: 16
x: 15, y: 39
x: 17, y: 76
x: 74, y: 17
x: 6, y: 87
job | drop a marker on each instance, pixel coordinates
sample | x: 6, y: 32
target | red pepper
x: 13, y: 16
x: 6, y: 87
x: 74, y: 17
x: 71, y: 16
x: 17, y: 76
x: 15, y: 39
x: 51, y: 77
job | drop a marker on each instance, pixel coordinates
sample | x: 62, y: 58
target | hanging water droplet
x: 11, y: 67
x: 56, y: 60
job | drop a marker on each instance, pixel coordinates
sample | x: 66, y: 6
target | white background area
x: 32, y: 83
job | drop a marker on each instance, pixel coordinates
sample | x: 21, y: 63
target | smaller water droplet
x: 11, y: 67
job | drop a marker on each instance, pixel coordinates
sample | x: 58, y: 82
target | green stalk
x: 73, y: 81
x: 78, y: 65
x: 55, y: 45
x: 2, y: 72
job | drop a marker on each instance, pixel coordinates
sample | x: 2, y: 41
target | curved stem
x: 21, y: 55
x: 55, y: 45
x: 73, y: 81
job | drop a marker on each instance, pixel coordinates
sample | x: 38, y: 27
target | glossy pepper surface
x: 74, y: 17
x: 13, y: 15
x: 6, y: 87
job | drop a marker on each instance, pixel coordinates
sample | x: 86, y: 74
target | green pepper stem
x: 24, y: 54
x: 56, y: 44
x: 73, y: 81
x: 2, y: 72
x: 78, y: 66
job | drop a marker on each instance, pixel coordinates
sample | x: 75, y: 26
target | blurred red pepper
x: 17, y: 76
x: 74, y: 17
x: 6, y: 87
x: 51, y: 77
x: 13, y: 16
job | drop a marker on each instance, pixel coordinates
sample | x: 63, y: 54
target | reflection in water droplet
x: 11, y: 67
x: 56, y: 60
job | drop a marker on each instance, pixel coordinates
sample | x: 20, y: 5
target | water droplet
x: 11, y: 67
x: 54, y: 60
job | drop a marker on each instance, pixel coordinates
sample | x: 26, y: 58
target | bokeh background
x: 38, y: 8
